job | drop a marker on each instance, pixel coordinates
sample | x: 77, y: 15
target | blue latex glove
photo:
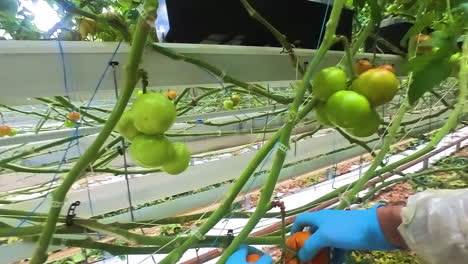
x: 240, y: 256
x: 344, y: 230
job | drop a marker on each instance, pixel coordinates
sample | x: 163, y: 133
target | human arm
x: 390, y: 219
x: 435, y: 225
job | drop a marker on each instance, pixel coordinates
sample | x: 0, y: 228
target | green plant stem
x: 45, y: 116
x: 417, y: 120
x: 442, y: 100
x: 241, y: 120
x: 227, y: 201
x: 388, y: 45
x: 70, y: 106
x: 38, y: 149
x: 181, y: 95
x: 348, y: 56
x: 58, y: 196
x: 263, y: 204
x: 308, y: 134
x: 225, y: 77
x: 349, y: 197
x: 117, y: 250
x: 383, y: 185
x: 278, y: 35
x: 359, y: 41
x: 225, y: 206
x: 221, y: 133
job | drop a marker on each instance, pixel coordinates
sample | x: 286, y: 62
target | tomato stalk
x: 227, y: 201
x: 359, y: 41
x: 253, y: 88
x: 117, y: 250
x: 278, y: 35
x: 264, y: 202
x: 348, y: 56
x: 58, y: 196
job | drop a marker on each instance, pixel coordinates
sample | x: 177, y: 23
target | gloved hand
x: 240, y: 256
x: 348, y: 230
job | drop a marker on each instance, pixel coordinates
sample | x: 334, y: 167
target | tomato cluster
x: 352, y: 108
x: 232, y: 103
x: 151, y: 115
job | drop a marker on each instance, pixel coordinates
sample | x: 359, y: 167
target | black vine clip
x: 71, y: 213
x: 230, y: 235
x: 120, y: 150
x: 113, y: 63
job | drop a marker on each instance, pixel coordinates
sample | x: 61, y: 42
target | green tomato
x: 455, y: 62
x: 322, y: 115
x: 181, y: 160
x: 379, y: 86
x: 125, y: 3
x: 125, y: 126
x: 228, y: 104
x: 68, y: 123
x: 153, y: 113
x: 328, y: 81
x: 348, y: 109
x: 235, y: 99
x: 367, y: 127
x: 151, y: 151
x: 8, y: 9
x: 13, y: 133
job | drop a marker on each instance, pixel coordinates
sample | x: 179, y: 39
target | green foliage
x: 8, y: 9
x: 432, y: 68
x: 455, y: 180
x: 382, y: 257
x: 86, y: 256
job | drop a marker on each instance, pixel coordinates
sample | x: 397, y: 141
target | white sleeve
x: 435, y: 226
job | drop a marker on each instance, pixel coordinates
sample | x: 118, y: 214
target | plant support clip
x: 71, y: 213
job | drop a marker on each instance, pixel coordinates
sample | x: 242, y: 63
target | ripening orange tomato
x: 296, y: 242
x: 387, y: 67
x: 253, y: 258
x: 171, y: 94
x: 423, y: 47
x: 74, y: 116
x: 5, y: 131
x: 363, y: 65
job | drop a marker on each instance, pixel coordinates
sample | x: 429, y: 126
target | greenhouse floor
x: 297, y: 199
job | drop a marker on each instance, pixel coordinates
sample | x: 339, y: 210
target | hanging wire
x: 123, y: 153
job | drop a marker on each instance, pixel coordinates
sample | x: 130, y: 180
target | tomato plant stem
x: 58, y: 196
x: 226, y: 203
x: 278, y: 35
x: 256, y: 89
x: 263, y: 204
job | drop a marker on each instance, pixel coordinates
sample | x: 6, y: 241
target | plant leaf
x: 421, y: 23
x: 432, y: 68
x: 376, y: 13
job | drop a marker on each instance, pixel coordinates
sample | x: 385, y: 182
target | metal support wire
x: 114, y: 64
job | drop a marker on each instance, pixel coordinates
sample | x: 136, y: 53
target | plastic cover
x: 435, y: 226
